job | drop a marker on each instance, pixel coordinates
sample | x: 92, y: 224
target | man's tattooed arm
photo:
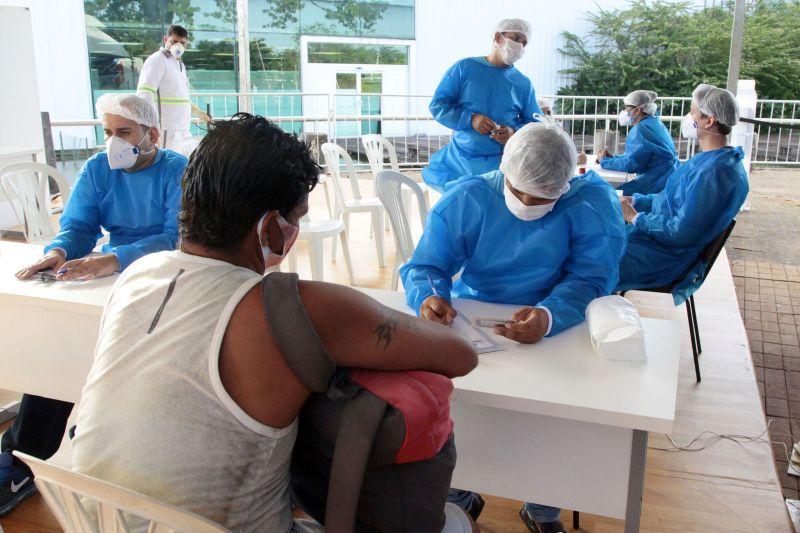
x: 387, y: 329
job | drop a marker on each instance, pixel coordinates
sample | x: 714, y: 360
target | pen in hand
x: 433, y: 287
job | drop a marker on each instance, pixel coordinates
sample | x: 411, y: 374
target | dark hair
x: 241, y: 169
x: 177, y: 31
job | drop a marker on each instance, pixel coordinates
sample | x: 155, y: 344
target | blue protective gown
x: 562, y: 261
x: 138, y: 209
x: 700, y: 200
x: 650, y: 153
x: 473, y: 85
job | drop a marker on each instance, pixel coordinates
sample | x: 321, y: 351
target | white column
x: 243, y: 38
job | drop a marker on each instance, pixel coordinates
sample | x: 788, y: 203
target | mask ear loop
x: 153, y: 149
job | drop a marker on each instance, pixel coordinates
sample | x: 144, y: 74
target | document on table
x: 482, y: 342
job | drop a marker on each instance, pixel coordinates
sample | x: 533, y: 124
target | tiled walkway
x: 765, y: 254
x: 769, y: 299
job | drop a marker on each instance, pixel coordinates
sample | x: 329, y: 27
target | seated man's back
x: 175, y: 418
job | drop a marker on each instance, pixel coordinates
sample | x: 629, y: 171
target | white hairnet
x: 644, y: 100
x: 128, y: 106
x: 517, y: 25
x: 720, y: 104
x: 700, y: 91
x: 539, y: 160
x: 544, y: 102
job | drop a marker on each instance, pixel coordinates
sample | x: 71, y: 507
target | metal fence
x: 405, y: 120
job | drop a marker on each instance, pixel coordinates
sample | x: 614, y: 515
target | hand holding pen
x: 435, y: 308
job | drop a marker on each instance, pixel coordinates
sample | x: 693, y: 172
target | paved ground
x: 765, y: 261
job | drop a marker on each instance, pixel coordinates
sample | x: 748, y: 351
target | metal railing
x: 405, y: 120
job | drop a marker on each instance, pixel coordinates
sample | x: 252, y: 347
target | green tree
x: 671, y: 47
x: 356, y: 17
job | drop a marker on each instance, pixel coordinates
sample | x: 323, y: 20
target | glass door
x: 371, y: 88
x: 346, y: 105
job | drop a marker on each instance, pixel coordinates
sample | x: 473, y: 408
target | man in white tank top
x: 189, y: 399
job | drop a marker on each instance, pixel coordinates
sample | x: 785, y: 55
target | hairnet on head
x: 700, y: 91
x: 539, y: 160
x: 516, y: 25
x: 128, y: 106
x: 720, y: 104
x: 544, y: 102
x: 644, y: 100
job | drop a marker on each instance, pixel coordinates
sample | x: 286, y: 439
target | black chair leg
x: 690, y: 316
x: 696, y: 327
x: 576, y: 520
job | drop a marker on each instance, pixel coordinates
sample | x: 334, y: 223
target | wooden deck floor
x: 728, y: 487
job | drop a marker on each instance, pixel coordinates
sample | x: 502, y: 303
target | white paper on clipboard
x: 482, y: 342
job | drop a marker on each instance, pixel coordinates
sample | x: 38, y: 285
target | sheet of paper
x: 482, y: 342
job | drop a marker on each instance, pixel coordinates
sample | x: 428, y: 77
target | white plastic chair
x: 70, y: 497
x: 374, y: 146
x: 28, y: 190
x: 392, y: 188
x: 314, y: 232
x: 333, y: 154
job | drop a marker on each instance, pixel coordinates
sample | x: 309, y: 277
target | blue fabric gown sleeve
x: 166, y: 240
x: 440, y: 254
x: 531, y: 107
x: 643, y: 203
x: 592, y: 269
x: 705, y: 197
x: 445, y: 107
x: 633, y: 160
x: 80, y: 222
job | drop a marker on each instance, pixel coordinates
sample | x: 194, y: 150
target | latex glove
x: 437, y: 309
x: 529, y: 325
x: 628, y: 212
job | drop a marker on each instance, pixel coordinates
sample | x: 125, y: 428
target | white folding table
x: 553, y: 423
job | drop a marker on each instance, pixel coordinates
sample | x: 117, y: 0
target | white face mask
x: 177, y: 50
x: 122, y: 154
x: 290, y: 232
x: 689, y: 127
x: 525, y: 212
x: 625, y: 118
x: 511, y: 51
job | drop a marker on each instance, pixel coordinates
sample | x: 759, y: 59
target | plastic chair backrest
x: 28, y: 183
x: 82, y: 503
x: 333, y: 153
x: 374, y: 145
x: 389, y: 185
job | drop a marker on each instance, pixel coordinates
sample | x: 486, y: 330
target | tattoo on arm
x: 385, y: 331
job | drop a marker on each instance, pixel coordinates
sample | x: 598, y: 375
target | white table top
x: 614, y: 177
x: 89, y: 296
x: 561, y: 376
x: 17, y: 151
